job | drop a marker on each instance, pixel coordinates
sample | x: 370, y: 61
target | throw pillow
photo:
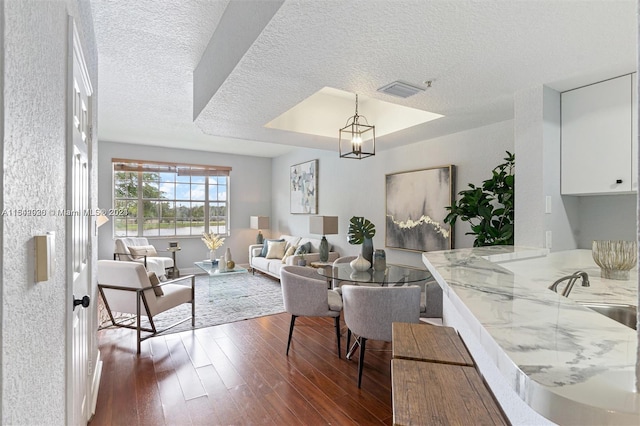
x: 155, y: 283
x: 276, y: 249
x: 138, y: 252
x: 265, y: 248
x: 304, y: 248
x: 289, y: 252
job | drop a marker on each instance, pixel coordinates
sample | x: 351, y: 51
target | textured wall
x: 351, y: 187
x: 528, y: 132
x: 34, y: 314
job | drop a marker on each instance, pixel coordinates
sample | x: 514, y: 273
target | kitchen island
x: 544, y: 355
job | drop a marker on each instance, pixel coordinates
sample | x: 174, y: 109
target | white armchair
x: 138, y: 249
x: 125, y: 287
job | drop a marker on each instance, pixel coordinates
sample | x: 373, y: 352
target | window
x: 164, y: 199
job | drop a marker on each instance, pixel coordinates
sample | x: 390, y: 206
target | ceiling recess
x: 401, y: 89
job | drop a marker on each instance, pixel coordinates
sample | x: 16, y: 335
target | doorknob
x: 84, y: 302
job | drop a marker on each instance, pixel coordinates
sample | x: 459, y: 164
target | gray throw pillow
x: 265, y: 247
x: 304, y: 248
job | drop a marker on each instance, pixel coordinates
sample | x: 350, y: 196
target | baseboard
x: 95, y: 383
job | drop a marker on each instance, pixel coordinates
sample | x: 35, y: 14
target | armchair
x: 125, y: 287
x: 144, y: 253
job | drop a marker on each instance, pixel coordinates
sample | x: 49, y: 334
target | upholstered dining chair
x: 370, y: 311
x: 305, y: 293
x: 126, y: 287
x: 343, y: 259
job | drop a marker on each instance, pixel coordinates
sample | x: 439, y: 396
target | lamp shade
x: 259, y: 222
x: 101, y: 219
x: 323, y: 225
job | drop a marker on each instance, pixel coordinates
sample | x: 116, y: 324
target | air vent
x: 400, y: 89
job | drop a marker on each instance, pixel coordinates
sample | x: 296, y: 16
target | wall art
x: 416, y: 204
x: 303, y: 187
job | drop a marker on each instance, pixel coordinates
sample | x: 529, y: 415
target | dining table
x: 392, y: 275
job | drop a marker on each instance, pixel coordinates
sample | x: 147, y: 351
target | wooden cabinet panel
x: 426, y: 393
x: 430, y: 343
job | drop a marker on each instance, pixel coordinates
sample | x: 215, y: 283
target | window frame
x: 209, y: 173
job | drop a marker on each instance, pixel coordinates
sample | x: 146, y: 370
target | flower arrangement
x: 212, y: 241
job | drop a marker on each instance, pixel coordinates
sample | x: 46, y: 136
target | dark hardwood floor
x: 239, y: 374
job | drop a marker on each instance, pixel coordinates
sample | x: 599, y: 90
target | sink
x: 624, y: 314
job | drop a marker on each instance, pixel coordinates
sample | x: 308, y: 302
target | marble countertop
x: 569, y: 363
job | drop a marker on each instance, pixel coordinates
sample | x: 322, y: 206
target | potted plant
x: 362, y: 231
x: 488, y: 208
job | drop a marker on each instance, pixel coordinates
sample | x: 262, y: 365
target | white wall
x: 349, y: 188
x: 34, y: 315
x: 250, y: 185
x: 606, y: 217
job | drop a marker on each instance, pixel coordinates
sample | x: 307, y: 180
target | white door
x: 79, y: 238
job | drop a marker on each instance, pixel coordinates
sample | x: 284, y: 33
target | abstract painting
x: 303, y: 187
x: 416, y: 207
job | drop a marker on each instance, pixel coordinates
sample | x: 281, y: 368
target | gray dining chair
x: 305, y: 293
x: 336, y: 282
x: 370, y: 311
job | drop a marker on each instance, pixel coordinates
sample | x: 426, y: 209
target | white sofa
x: 272, y: 266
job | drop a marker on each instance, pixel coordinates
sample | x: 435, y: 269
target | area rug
x: 229, y: 299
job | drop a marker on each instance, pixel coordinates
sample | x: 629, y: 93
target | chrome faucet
x: 571, y: 280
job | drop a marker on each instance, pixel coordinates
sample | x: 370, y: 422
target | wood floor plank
x: 252, y: 407
x: 195, y: 350
x: 201, y: 412
x: 147, y: 394
x: 185, y: 371
x: 173, y: 403
x: 242, y: 376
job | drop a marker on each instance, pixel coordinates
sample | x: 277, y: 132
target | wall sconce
x: 259, y: 223
x: 353, y: 138
x: 323, y: 225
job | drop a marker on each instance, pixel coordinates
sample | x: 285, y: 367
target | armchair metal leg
x: 348, y: 342
x: 138, y: 322
x: 363, y: 342
x: 193, y: 301
x: 293, y: 321
x: 337, y: 322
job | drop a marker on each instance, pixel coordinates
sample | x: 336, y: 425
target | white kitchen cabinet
x: 599, y: 138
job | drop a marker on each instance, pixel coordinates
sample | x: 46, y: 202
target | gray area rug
x: 228, y: 299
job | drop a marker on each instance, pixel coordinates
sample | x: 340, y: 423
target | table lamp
x: 323, y: 225
x: 259, y: 223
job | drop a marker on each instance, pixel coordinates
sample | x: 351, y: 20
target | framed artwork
x: 303, y: 187
x: 415, y: 209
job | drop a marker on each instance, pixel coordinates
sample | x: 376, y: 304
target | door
x: 78, y: 237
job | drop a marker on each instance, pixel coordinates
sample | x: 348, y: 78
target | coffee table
x: 215, y: 274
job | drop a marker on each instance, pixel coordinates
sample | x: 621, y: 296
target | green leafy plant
x: 489, y: 208
x: 359, y: 229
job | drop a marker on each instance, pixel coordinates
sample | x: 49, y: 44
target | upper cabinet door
x: 597, y: 155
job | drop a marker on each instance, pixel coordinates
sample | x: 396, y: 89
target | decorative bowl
x: 615, y: 258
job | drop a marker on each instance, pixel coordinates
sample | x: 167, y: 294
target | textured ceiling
x: 479, y: 53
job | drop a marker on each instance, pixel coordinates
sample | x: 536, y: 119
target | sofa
x: 271, y: 266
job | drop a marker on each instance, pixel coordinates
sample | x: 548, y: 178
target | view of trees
x: 171, y: 204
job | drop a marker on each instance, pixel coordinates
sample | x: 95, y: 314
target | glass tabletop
x: 209, y: 268
x: 392, y: 275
